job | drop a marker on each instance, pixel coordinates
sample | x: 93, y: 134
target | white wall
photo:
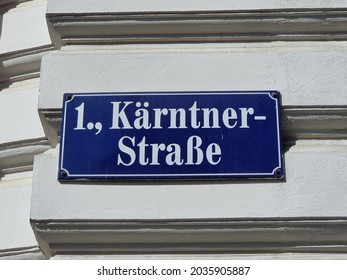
x: 307, y: 75
x: 316, y: 178
x: 154, y: 46
x: 24, y: 27
x: 66, y: 6
x: 23, y: 40
x: 125, y: 48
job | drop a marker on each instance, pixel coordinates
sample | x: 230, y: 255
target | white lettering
x: 142, y: 151
x: 155, y: 152
x: 190, y: 150
x: 142, y: 120
x: 173, y: 118
x: 211, y: 151
x: 244, y: 116
x: 125, y: 149
x: 193, y: 116
x: 215, y: 118
x: 130, y: 152
x: 120, y: 115
x: 157, y: 116
x: 145, y: 117
x: 229, y: 114
x: 174, y: 155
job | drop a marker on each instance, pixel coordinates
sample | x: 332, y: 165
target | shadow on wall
x: 5, y: 6
x: 4, y: 77
x: 2, y: 70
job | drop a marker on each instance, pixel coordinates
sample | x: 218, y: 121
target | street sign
x: 171, y: 135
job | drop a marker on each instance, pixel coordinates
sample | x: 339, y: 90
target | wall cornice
x: 22, y: 65
x: 24, y: 40
x: 192, y: 236
x: 198, y: 26
x: 297, y: 123
x: 19, y: 156
x: 22, y: 253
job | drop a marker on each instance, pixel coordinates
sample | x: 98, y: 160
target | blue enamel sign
x: 179, y: 135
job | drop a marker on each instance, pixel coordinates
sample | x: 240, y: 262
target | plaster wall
x: 23, y: 36
x: 19, y: 119
x: 306, y: 74
x: 67, y: 6
x: 295, y: 47
x: 316, y: 178
x: 24, y: 27
x: 15, y: 192
x: 110, y: 46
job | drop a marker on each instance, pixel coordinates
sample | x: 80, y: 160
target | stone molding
x: 192, y: 236
x: 22, y: 253
x: 297, y: 123
x: 19, y: 156
x: 198, y: 26
x: 22, y: 65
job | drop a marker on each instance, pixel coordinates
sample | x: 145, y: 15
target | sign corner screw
x: 274, y: 94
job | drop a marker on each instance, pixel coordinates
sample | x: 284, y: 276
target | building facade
x: 298, y: 48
